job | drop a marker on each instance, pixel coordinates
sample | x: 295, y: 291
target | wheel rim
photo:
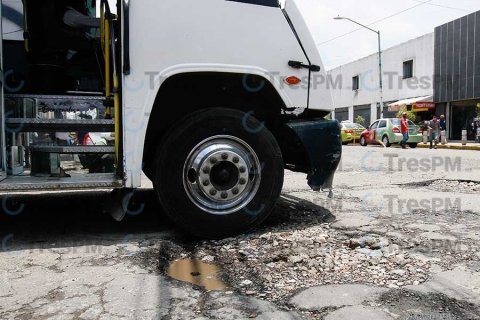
x: 385, y: 140
x: 362, y: 140
x: 221, y: 174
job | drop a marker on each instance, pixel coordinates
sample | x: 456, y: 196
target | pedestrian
x: 434, y: 128
x: 100, y: 163
x: 476, y: 130
x: 404, y: 130
x: 104, y: 163
x: 443, y: 127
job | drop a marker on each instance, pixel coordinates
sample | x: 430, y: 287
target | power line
x: 395, y: 14
x: 439, y: 5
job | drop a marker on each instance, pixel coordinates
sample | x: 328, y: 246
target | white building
x: 407, y: 74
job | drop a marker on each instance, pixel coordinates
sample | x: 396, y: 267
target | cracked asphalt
x: 399, y: 240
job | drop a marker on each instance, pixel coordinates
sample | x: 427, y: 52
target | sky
x: 394, y: 30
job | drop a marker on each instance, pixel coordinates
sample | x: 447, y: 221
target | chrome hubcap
x: 221, y: 174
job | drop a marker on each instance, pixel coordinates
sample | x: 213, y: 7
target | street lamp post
x: 379, y: 60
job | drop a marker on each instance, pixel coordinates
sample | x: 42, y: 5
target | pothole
x: 413, y: 305
x: 454, y: 186
x: 198, y: 273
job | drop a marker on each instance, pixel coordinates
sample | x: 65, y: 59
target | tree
x: 410, y: 115
x: 359, y: 119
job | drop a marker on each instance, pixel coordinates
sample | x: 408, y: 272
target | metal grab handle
x: 298, y: 65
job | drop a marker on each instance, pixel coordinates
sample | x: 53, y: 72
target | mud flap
x: 117, y: 202
x: 313, y: 147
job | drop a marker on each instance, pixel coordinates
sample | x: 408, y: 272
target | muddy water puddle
x: 198, y: 273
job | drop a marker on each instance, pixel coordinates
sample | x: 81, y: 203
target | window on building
x: 355, y: 83
x: 408, y: 69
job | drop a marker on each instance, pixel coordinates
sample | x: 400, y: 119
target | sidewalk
x: 454, y: 144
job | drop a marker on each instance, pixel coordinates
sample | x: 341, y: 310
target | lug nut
x: 236, y: 159
x: 224, y: 195
x: 235, y: 190
x: 242, y: 169
x: 242, y: 181
x: 213, y: 160
x: 213, y: 192
x: 224, y: 156
x: 206, y: 182
x: 206, y: 170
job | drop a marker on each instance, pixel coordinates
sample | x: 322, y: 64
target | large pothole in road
x: 198, y: 273
x: 411, y: 305
x: 454, y: 186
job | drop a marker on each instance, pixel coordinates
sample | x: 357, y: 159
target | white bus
x: 212, y: 100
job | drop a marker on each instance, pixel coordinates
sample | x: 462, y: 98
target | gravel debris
x: 276, y: 264
x: 455, y: 186
x: 294, y: 251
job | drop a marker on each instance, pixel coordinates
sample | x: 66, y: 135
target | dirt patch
x: 412, y: 306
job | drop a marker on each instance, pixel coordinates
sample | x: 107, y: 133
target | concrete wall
x: 395, y: 88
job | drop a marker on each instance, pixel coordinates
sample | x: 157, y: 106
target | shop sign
x: 423, y: 105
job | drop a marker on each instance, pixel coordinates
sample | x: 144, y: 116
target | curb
x: 447, y: 146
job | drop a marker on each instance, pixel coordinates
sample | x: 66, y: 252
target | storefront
x: 341, y: 114
x: 464, y: 114
x: 424, y: 107
x: 364, y: 112
x: 386, y: 108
